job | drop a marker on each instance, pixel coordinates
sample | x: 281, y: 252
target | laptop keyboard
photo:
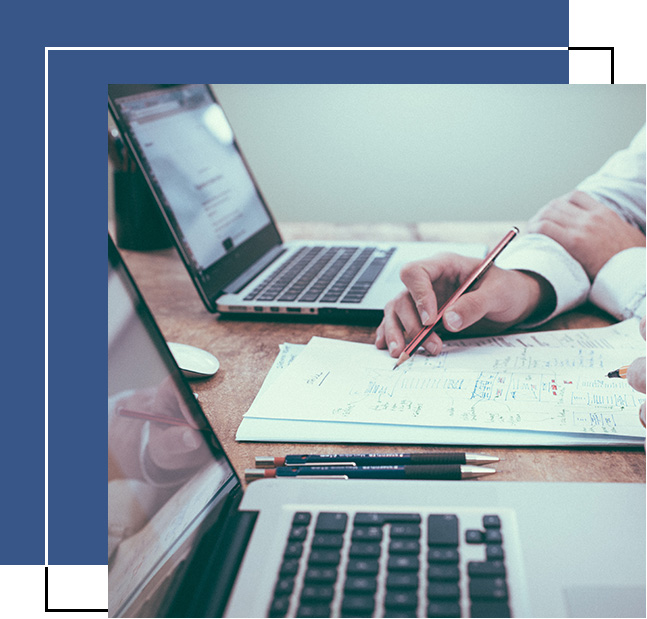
x: 324, y: 275
x: 392, y: 565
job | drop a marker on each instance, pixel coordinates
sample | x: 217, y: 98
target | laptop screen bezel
x: 212, y: 281
x: 231, y: 486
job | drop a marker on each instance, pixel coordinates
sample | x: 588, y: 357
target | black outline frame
x: 611, y: 49
x: 66, y: 610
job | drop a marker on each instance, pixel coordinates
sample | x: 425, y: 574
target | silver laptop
x: 184, y: 541
x: 224, y: 230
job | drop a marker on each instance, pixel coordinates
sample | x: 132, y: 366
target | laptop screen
x: 166, y: 470
x: 186, y: 149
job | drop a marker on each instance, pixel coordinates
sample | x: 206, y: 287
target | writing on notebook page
x: 502, y: 382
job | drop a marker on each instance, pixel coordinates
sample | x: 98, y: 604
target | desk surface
x: 247, y: 349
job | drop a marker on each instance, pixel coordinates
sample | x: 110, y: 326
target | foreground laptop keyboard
x: 323, y: 274
x: 392, y: 565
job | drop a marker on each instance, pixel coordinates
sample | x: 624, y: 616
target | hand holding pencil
x: 499, y: 299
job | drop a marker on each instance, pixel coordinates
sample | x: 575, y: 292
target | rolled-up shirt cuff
x: 541, y: 255
x: 619, y: 286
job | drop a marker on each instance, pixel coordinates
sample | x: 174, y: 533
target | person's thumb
x: 466, y: 311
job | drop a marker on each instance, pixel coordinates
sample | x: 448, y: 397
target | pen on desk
x: 431, y: 471
x: 619, y: 373
x: 342, y: 459
x: 478, y: 272
x: 171, y: 421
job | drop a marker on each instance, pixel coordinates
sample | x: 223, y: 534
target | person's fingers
x: 391, y: 331
x: 174, y: 448
x: 636, y: 374
x: 584, y: 201
x: 419, y: 282
x: 468, y: 309
x: 642, y: 414
x: 401, y: 322
x: 550, y: 228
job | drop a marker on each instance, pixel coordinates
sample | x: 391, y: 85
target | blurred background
x: 348, y: 153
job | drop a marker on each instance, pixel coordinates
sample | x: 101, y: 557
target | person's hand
x: 174, y: 447
x: 586, y: 229
x: 636, y: 374
x: 498, y: 300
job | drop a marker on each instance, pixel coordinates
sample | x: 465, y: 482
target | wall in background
x: 404, y: 153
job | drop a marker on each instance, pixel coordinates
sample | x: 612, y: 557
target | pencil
x: 171, y: 421
x: 425, y: 332
x: 619, y: 373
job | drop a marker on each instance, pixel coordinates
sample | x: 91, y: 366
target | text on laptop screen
x: 165, y: 468
x: 190, y: 152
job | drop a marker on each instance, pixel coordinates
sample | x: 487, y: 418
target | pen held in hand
x: 619, y: 373
x: 163, y: 419
x: 478, y: 272
x: 431, y: 471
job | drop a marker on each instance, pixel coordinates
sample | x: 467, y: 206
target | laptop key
x: 405, y: 530
x: 443, y: 571
x: 293, y: 549
x: 437, y: 609
x: 324, y: 557
x: 284, y: 586
x: 313, y: 610
x: 494, y: 552
x: 486, y: 608
x: 404, y: 580
x: 331, y: 522
x: 317, y: 593
x: 279, y: 606
x: 302, y: 518
x: 289, y: 567
x: 401, y: 599
x: 362, y: 566
x: 321, y: 575
x: 442, y: 555
x: 373, y: 534
x: 298, y: 533
x: 360, y: 584
x: 443, y: 590
x: 491, y: 521
x: 404, y: 547
x: 442, y: 530
x: 354, y: 605
x: 493, y: 536
x: 491, y: 588
x: 403, y: 563
x: 365, y: 550
x: 327, y: 540
x: 486, y: 568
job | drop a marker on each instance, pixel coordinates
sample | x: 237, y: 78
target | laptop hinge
x: 211, y: 570
x: 258, y: 267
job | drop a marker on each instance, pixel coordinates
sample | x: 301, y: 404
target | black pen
x: 429, y: 471
x: 342, y: 459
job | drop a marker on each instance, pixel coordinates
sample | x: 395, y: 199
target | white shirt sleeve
x: 542, y: 255
x: 620, y: 182
x: 619, y: 287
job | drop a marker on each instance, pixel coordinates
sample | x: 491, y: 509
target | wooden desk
x: 247, y: 349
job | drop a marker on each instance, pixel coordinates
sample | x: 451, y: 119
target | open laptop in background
x: 224, y: 230
x: 183, y: 541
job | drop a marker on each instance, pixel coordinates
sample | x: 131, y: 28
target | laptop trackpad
x: 603, y: 601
